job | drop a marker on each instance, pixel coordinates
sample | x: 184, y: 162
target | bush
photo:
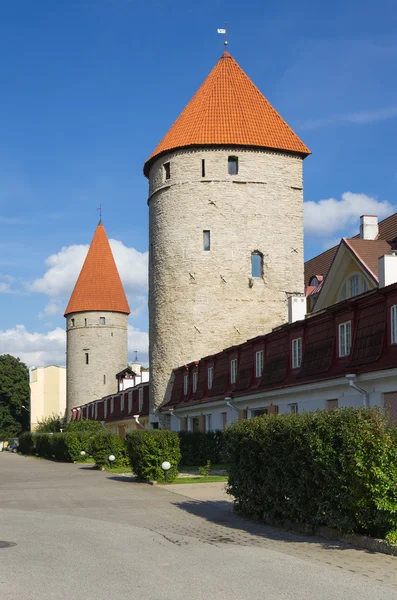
x: 26, y: 443
x: 198, y: 447
x: 51, y: 424
x: 43, y: 446
x: 102, y: 445
x: 335, y: 468
x: 68, y: 446
x: 149, y: 448
x: 84, y: 426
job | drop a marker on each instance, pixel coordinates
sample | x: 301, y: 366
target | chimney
x: 368, y: 227
x: 296, y: 308
x: 387, y: 269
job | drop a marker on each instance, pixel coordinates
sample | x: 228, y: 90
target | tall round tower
x: 225, y: 224
x: 96, y: 327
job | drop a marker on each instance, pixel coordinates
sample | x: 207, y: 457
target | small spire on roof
x: 223, y: 31
x: 100, y: 214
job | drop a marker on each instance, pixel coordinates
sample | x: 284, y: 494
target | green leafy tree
x: 14, y: 396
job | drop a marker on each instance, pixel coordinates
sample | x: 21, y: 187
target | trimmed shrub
x: 84, y: 426
x: 335, y: 468
x: 149, y: 448
x: 68, y: 446
x: 43, y: 446
x: 26, y: 443
x: 197, y: 447
x: 102, y: 445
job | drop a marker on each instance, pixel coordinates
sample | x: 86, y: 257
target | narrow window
x: 296, y: 353
x: 233, y: 370
x: 195, y: 377
x: 344, y: 338
x: 354, y: 286
x: 104, y: 379
x: 140, y: 400
x: 96, y: 410
x: 203, y: 168
x: 102, y: 320
x: 293, y: 408
x: 393, y: 324
x: 85, y: 322
x: 224, y: 420
x: 232, y: 165
x: 256, y: 264
x: 105, y: 408
x: 259, y: 363
x: 72, y: 322
x: 87, y: 358
x: 167, y: 170
x: 122, y: 402
x: 206, y: 240
x: 111, y: 405
x: 130, y: 402
x: 208, y: 422
x: 185, y: 384
x: 210, y: 377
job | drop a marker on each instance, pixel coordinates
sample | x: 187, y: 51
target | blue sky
x: 89, y: 87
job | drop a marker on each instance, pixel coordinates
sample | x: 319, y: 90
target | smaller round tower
x: 96, y: 327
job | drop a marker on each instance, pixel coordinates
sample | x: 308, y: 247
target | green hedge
x: 198, y: 448
x: 148, y: 449
x: 26, y: 443
x: 103, y: 444
x: 335, y: 468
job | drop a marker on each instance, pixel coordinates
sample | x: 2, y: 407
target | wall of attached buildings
x: 319, y: 382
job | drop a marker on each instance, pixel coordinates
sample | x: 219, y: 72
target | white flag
x: 221, y: 30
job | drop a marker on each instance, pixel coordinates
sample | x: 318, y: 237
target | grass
x: 208, y: 479
x: 189, y: 469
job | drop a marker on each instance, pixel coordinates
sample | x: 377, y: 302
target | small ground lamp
x: 112, y: 458
x: 82, y: 454
x: 166, y: 466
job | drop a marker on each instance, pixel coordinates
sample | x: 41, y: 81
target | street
x: 82, y: 533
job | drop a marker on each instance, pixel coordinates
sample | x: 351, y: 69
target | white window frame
x: 96, y: 410
x: 140, y: 399
x: 293, y: 408
x: 210, y: 380
x: 259, y: 363
x: 354, y: 284
x: 208, y: 422
x: 111, y: 405
x: 296, y: 353
x: 195, y: 380
x: 185, y: 384
x: 233, y: 370
x: 393, y: 324
x: 345, y: 338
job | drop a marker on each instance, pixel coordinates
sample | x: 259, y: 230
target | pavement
x: 82, y: 533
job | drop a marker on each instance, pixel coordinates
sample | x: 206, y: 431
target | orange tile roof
x: 368, y: 252
x: 99, y: 285
x: 229, y: 110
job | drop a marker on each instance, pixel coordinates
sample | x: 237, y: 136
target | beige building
x: 47, y: 393
x: 225, y: 224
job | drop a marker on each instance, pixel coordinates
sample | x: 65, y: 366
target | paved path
x: 80, y: 533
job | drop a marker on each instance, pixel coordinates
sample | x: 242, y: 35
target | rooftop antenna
x: 100, y: 214
x: 223, y: 31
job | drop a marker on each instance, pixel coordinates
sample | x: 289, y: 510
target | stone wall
x: 106, y: 346
x: 201, y: 302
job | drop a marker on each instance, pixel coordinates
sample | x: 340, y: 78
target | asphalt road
x: 81, y: 534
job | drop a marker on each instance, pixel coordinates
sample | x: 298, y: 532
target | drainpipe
x: 230, y: 405
x: 350, y: 378
x: 136, y: 417
x: 172, y: 413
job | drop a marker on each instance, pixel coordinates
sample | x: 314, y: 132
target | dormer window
x: 232, y: 165
x: 352, y: 287
x: 314, y: 282
x: 167, y: 170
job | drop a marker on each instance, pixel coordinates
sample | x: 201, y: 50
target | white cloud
x: 35, y: 349
x: 362, y: 117
x: 4, y: 287
x: 326, y: 217
x: 138, y: 341
x: 64, y: 267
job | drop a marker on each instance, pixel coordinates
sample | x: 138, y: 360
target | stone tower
x: 96, y: 327
x: 225, y: 224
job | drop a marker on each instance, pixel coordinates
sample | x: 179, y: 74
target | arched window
x: 256, y: 264
x: 353, y: 286
x: 314, y: 281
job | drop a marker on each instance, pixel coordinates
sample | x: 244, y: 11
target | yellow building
x: 47, y: 393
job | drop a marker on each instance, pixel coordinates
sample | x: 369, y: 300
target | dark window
x: 167, y: 170
x: 232, y: 165
x: 85, y: 322
x: 256, y: 264
x: 102, y: 320
x: 155, y: 425
x: 72, y: 322
x: 87, y: 358
x: 203, y: 168
x: 206, y: 240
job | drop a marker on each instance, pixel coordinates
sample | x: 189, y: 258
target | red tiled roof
x: 368, y: 252
x: 321, y: 263
x: 228, y: 109
x: 99, y: 285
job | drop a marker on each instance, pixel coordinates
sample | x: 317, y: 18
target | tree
x: 14, y: 396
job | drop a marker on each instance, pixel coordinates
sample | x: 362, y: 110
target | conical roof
x: 229, y: 110
x: 99, y: 285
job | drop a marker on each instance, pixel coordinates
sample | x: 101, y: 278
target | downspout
x: 353, y: 385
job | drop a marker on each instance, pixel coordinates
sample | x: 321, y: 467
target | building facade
x: 96, y: 327
x: 225, y: 224
x: 47, y: 393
